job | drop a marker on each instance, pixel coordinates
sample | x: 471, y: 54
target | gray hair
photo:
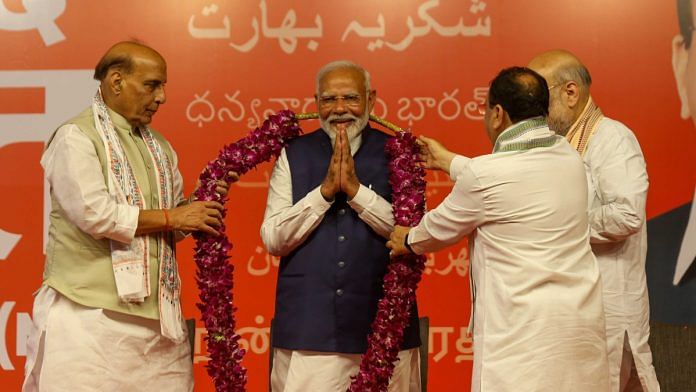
x: 342, y: 64
x: 576, y: 72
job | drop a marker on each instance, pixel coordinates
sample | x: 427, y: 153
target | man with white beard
x: 328, y: 216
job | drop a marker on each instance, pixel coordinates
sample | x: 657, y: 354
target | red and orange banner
x: 232, y: 63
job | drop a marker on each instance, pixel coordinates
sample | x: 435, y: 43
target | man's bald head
x: 133, y: 78
x: 569, y: 85
x: 122, y: 57
x: 560, y: 66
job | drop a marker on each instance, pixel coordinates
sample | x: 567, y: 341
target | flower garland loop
x: 214, y: 274
x: 407, y: 179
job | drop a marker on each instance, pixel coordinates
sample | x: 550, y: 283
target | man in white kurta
x: 617, y: 191
x: 320, y: 347
x: 538, y: 323
x: 107, y: 317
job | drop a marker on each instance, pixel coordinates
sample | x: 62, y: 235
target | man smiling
x: 328, y: 215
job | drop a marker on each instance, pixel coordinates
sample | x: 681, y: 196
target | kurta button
x: 342, y: 211
x: 341, y: 264
x: 341, y: 238
x: 339, y: 292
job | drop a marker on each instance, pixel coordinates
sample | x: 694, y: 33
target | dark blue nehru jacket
x: 328, y: 288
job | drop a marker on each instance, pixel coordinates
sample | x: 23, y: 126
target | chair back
x: 191, y: 327
x: 424, y: 326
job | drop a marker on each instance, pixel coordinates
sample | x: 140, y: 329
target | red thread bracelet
x: 168, y: 225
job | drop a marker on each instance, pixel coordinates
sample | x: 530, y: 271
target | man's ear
x: 572, y: 91
x: 371, y: 100
x: 680, y: 59
x: 497, y: 116
x: 114, y: 80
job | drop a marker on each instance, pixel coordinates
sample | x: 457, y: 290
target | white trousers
x: 302, y: 371
x: 76, y: 348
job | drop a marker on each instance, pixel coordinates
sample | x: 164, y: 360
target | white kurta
x: 617, y: 189
x: 285, y: 227
x: 538, y: 317
x: 76, y: 348
x: 73, y: 347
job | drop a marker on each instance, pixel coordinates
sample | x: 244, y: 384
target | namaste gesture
x: 341, y: 174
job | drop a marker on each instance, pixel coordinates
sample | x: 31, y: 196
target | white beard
x: 352, y: 131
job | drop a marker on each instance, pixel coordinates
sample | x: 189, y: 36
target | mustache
x: 341, y: 117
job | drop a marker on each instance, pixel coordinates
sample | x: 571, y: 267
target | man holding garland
x: 537, y: 317
x: 108, y: 315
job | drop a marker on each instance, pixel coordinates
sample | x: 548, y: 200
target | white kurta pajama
x: 538, y: 318
x: 81, y: 349
x: 78, y: 347
x: 285, y: 227
x: 617, y: 189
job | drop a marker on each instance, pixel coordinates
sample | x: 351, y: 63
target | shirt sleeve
x: 618, y: 174
x: 75, y: 176
x: 457, y: 216
x: 286, y: 225
x: 373, y: 210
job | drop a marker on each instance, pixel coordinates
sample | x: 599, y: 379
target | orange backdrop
x: 231, y: 62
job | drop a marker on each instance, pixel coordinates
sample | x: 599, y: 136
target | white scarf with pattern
x: 131, y: 261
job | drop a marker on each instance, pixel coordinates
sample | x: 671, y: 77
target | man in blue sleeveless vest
x: 328, y: 215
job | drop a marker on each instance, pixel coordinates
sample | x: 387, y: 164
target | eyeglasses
x: 481, y: 108
x: 561, y: 84
x: 329, y: 101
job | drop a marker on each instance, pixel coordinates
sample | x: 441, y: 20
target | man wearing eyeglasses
x: 328, y: 216
x: 617, y: 192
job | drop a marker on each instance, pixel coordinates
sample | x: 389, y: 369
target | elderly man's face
x: 684, y: 66
x: 142, y: 91
x: 560, y: 117
x: 343, y: 101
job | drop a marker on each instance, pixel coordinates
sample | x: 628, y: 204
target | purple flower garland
x: 403, y: 274
x: 215, y: 273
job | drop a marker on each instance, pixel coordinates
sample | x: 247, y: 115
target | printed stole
x: 584, y: 127
x: 131, y: 261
